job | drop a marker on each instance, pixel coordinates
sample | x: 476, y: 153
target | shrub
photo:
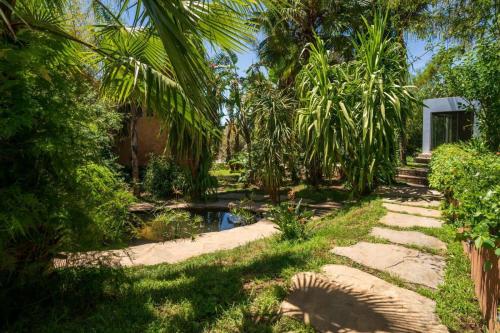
x: 171, y: 224
x: 164, y: 178
x: 243, y: 210
x: 107, y: 200
x: 291, y: 221
x: 469, y: 177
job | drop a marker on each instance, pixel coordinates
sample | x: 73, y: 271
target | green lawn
x: 231, y: 291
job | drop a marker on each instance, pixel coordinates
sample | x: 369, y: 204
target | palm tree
x: 350, y: 112
x: 158, y: 62
x: 295, y: 23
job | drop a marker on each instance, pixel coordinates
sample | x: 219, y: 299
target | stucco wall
x: 150, y: 139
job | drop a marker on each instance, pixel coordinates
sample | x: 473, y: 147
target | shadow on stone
x: 330, y: 307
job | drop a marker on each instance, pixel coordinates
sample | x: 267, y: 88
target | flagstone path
x: 176, y: 250
x: 408, y: 238
x: 408, y: 221
x: 345, y: 299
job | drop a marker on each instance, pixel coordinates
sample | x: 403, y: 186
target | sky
x: 417, y: 53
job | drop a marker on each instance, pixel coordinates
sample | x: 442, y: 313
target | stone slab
x: 412, y: 210
x: 408, y: 192
x: 408, y: 221
x: 176, y: 250
x: 345, y: 299
x: 408, y: 264
x: 429, y: 203
x: 408, y: 238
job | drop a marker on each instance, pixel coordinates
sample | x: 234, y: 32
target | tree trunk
x: 228, y: 141
x: 134, y: 149
x: 250, y: 162
x: 402, y: 147
x: 237, y: 147
x: 314, y: 172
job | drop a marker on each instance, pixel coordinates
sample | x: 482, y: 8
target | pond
x: 217, y: 220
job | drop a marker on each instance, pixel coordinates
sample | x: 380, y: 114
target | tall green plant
x: 273, y: 112
x: 350, y: 112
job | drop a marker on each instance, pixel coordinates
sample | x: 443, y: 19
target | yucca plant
x: 350, y: 112
x: 273, y: 112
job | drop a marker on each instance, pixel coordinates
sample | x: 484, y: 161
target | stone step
x: 412, y: 210
x: 408, y: 264
x: 417, y: 172
x: 345, y: 299
x: 411, y: 192
x: 409, y: 221
x: 408, y: 238
x: 414, y: 202
x: 412, y: 180
x: 422, y: 159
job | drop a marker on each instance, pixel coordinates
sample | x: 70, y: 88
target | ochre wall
x: 486, y: 282
x: 150, y: 140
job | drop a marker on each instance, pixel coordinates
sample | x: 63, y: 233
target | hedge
x: 469, y: 178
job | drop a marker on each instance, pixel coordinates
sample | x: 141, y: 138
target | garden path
x: 346, y: 299
x: 176, y: 250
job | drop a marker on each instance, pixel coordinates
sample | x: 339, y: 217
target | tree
x: 350, y: 112
x: 161, y: 56
x: 272, y: 111
x: 295, y: 23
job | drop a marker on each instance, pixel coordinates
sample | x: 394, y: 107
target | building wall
x: 150, y: 139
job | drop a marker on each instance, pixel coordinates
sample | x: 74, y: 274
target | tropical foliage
x: 273, y: 112
x: 292, y: 220
x: 350, y: 112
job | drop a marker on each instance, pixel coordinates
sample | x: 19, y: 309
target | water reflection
x: 218, y: 220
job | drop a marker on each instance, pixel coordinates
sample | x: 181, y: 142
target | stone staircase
x: 415, y: 176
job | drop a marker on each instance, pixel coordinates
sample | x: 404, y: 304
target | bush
x: 243, y: 210
x: 172, y: 224
x: 469, y: 178
x: 291, y: 221
x: 164, y: 178
x: 107, y: 200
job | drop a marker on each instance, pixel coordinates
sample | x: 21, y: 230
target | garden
x: 249, y: 166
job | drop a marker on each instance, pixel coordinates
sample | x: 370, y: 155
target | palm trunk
x: 236, y: 148
x: 134, y: 149
x: 228, y: 142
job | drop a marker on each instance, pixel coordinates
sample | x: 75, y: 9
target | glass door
x: 448, y: 127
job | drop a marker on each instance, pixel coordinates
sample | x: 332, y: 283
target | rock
x: 408, y: 264
x: 414, y: 202
x: 412, y: 210
x: 408, y: 192
x: 345, y: 299
x: 409, y: 221
x: 408, y: 237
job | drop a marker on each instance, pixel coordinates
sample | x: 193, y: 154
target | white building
x: 447, y: 120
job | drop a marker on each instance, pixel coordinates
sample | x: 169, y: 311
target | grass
x: 320, y: 193
x: 225, y: 173
x: 229, y: 291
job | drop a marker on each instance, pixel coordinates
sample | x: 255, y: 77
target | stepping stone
x: 408, y: 237
x: 408, y: 264
x: 412, y: 210
x: 345, y: 299
x: 409, y: 221
x: 408, y: 192
x: 414, y: 202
